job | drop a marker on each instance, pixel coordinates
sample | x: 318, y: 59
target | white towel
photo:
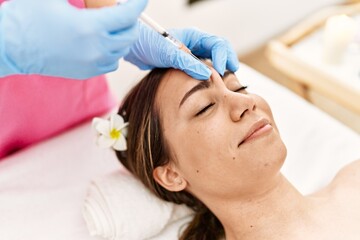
x: 118, y: 206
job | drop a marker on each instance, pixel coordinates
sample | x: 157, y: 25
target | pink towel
x: 33, y: 107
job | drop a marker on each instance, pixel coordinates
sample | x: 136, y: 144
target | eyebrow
x: 200, y: 86
x: 227, y: 73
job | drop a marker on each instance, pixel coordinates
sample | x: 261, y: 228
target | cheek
x: 264, y: 107
x: 200, y: 142
x: 206, y: 134
x: 198, y: 149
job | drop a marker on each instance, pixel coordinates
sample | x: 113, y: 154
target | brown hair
x: 147, y: 149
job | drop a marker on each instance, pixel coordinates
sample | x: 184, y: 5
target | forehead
x: 172, y: 88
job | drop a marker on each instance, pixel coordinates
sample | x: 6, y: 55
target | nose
x: 240, y: 104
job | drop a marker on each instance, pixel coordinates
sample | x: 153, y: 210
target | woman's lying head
x: 207, y: 140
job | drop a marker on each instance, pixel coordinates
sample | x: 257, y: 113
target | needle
x: 162, y: 31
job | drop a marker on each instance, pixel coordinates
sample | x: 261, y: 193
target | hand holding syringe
x: 149, y: 21
x: 148, y: 51
x: 146, y: 19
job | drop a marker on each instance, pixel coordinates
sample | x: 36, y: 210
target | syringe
x: 147, y: 20
x: 162, y: 31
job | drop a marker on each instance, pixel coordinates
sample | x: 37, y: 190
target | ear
x: 169, y: 178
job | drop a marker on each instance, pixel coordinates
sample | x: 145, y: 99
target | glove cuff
x: 6, y: 67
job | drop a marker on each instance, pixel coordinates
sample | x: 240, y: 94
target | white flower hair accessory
x: 111, y: 133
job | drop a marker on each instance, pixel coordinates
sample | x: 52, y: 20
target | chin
x: 278, y: 155
x: 272, y: 154
x: 281, y: 154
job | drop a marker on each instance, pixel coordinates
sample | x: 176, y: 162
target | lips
x: 257, y: 129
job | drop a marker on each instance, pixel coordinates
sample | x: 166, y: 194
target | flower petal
x: 120, y: 144
x: 103, y: 127
x: 95, y: 122
x: 124, y: 129
x: 105, y: 142
x: 116, y: 121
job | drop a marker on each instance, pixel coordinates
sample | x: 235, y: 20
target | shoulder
x: 348, y: 178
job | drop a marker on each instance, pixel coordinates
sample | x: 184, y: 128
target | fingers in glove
x: 120, y: 16
x: 190, y: 65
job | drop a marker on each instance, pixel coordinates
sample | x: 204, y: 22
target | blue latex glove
x: 152, y: 50
x: 51, y: 37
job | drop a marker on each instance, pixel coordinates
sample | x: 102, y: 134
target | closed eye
x: 204, y: 109
x: 241, y: 88
x: 212, y: 104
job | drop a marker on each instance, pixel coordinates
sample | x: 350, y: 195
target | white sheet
x: 42, y: 188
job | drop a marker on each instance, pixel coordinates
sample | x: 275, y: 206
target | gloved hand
x: 152, y: 50
x: 51, y: 37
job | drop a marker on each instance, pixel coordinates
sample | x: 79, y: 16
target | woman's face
x: 223, y: 138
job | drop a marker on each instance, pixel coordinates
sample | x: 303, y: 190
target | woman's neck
x: 269, y: 215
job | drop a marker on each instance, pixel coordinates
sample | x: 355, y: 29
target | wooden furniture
x: 313, y: 83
